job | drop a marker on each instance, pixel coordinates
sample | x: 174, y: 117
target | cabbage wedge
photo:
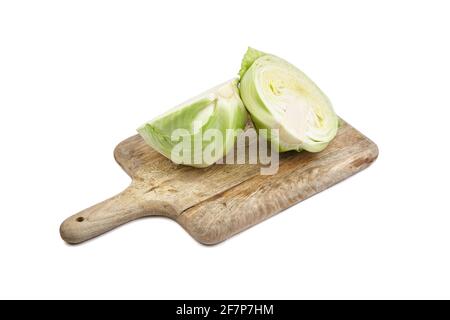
x: 280, y: 96
x: 201, y: 130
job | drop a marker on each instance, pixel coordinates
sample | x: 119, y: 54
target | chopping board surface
x: 214, y: 203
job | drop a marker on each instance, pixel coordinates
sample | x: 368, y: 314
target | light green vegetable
x: 280, y: 96
x: 200, y: 131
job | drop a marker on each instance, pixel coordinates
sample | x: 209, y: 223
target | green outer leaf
x: 250, y: 56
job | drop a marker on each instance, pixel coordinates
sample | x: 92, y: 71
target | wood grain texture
x: 214, y: 203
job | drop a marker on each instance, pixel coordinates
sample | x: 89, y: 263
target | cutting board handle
x: 128, y: 205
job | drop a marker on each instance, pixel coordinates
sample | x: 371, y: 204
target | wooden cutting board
x: 214, y: 203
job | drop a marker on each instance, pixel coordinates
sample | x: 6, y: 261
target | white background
x: 78, y: 77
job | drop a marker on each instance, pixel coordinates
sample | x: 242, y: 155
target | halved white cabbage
x: 219, y: 109
x: 280, y: 96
